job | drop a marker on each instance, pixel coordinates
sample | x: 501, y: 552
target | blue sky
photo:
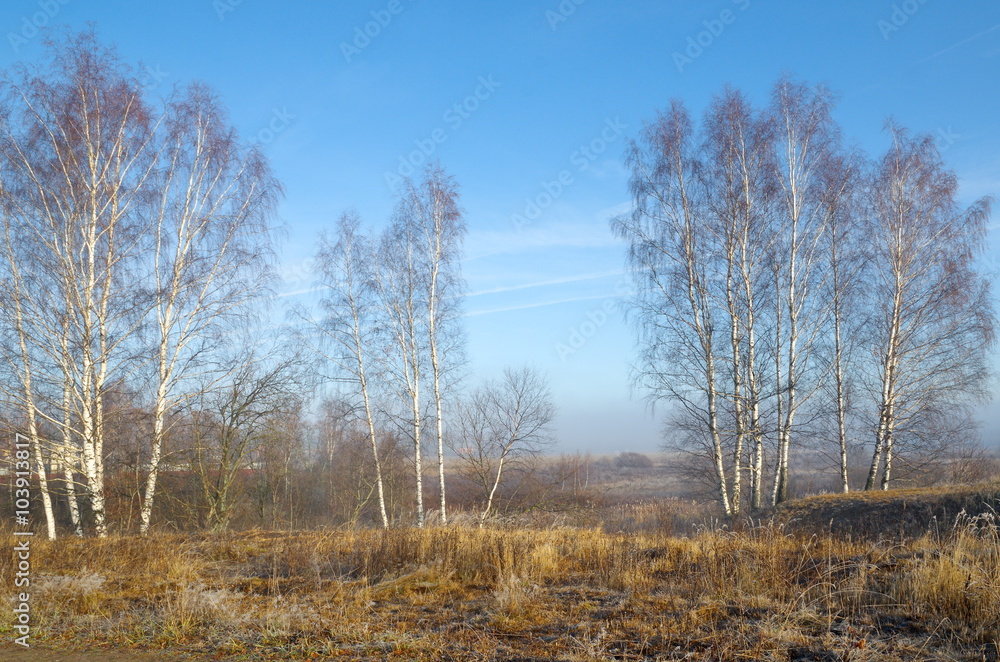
x: 531, y: 103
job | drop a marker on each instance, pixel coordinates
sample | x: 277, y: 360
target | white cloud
x: 562, y: 226
x: 544, y: 283
x: 961, y: 43
x: 475, y: 313
x: 296, y: 293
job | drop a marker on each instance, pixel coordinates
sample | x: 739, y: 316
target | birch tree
x: 434, y: 209
x: 673, y: 310
x: 846, y: 277
x: 348, y: 327
x: 20, y: 362
x: 502, y: 421
x: 149, y: 233
x: 738, y: 191
x: 212, y: 247
x: 807, y: 138
x: 400, y: 288
x: 934, y: 321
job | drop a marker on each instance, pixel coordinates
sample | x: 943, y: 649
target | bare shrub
x: 633, y: 461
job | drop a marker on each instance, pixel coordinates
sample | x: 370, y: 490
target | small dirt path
x: 20, y: 654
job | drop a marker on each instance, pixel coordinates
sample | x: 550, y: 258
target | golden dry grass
x: 760, y: 593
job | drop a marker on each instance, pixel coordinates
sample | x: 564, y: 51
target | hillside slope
x: 891, y: 514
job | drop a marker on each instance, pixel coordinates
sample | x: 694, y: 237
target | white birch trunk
x: 43, y: 481
x: 493, y: 491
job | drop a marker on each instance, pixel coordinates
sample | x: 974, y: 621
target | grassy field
x: 762, y: 591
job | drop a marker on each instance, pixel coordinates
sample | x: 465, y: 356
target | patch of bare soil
x: 33, y: 654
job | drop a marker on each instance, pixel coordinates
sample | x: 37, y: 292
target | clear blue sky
x: 546, y: 87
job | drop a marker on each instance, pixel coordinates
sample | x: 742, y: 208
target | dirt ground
x: 15, y: 653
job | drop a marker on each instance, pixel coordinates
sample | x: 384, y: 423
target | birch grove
x: 76, y: 156
x: 133, y: 234
x: 785, y: 285
x: 390, y: 323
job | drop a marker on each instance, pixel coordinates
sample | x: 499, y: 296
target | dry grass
x: 760, y: 593
x: 903, y: 513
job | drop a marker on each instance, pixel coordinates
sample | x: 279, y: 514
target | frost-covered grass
x: 461, y: 593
